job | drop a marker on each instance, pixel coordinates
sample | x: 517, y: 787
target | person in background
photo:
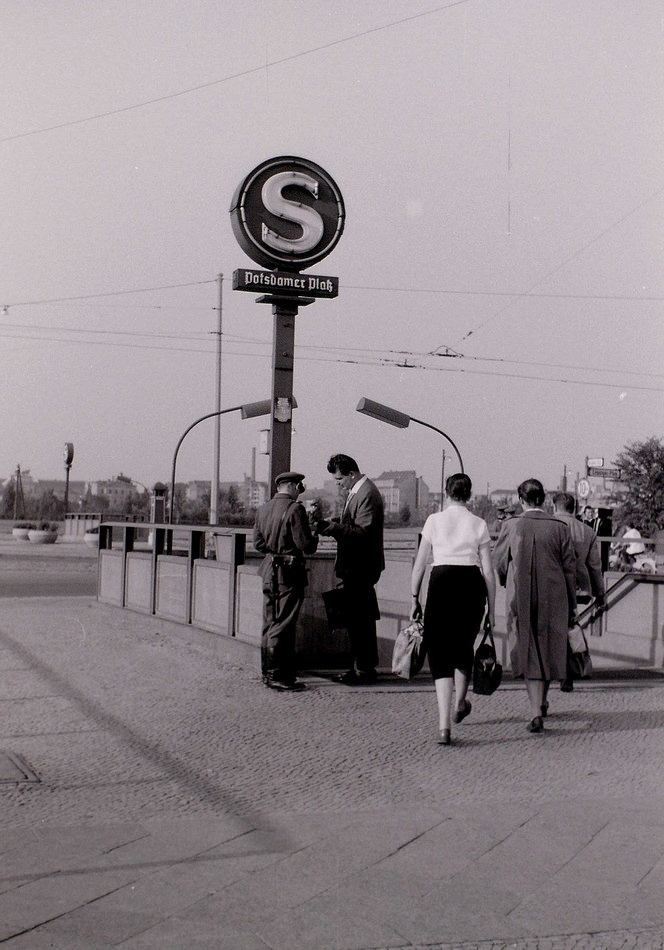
x: 460, y: 584
x: 589, y: 517
x: 535, y: 561
x: 282, y: 532
x: 589, y: 576
x: 359, y: 563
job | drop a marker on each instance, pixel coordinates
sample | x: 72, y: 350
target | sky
x: 500, y: 270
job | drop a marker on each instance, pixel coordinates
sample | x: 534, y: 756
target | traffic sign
x: 599, y: 472
x: 583, y: 488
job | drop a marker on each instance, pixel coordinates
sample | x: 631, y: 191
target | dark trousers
x: 280, y: 615
x: 362, y: 616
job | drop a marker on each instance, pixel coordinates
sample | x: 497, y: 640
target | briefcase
x: 336, y: 608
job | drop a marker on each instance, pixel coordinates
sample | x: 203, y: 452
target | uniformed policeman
x: 283, y: 534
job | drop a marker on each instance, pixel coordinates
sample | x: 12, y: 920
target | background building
x: 403, y: 490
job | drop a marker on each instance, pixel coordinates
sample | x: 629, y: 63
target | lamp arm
x: 444, y: 434
x: 186, y: 432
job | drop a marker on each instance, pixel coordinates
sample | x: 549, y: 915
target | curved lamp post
x: 399, y: 419
x: 249, y: 411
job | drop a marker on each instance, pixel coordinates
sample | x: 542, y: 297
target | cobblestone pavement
x: 134, y: 723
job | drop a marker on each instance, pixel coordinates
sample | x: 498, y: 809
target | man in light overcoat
x: 534, y: 559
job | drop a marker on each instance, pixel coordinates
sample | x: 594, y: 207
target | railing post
x: 238, y: 548
x: 158, y: 544
x: 196, y: 550
x: 128, y: 533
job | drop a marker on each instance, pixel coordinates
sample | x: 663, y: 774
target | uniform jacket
x: 359, y: 536
x: 294, y: 537
x: 534, y: 559
x: 589, y: 577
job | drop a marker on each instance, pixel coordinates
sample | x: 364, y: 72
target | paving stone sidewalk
x: 179, y: 804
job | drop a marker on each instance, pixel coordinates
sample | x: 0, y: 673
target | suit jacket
x: 534, y: 559
x: 589, y: 577
x: 359, y: 536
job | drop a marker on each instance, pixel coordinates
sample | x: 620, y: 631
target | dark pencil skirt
x: 453, y: 615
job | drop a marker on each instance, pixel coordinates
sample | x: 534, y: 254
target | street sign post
x: 287, y: 214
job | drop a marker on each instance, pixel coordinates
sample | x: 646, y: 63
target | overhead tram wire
x: 385, y: 362
x: 108, y: 293
x: 233, y: 339
x: 565, y: 262
x: 239, y: 75
x: 442, y: 291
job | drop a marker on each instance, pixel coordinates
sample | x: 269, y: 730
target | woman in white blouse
x: 461, y: 582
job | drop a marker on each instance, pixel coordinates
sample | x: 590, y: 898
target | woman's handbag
x: 408, y: 655
x: 487, y: 671
x: 579, y: 664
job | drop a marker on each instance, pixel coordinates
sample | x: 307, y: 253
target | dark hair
x: 563, y: 499
x: 458, y: 487
x: 532, y: 492
x: 343, y: 464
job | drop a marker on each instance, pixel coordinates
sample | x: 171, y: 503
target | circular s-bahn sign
x: 287, y: 213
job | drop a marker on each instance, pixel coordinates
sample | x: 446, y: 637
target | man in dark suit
x: 359, y: 563
x: 283, y: 534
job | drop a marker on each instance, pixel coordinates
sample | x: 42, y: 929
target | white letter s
x: 308, y: 219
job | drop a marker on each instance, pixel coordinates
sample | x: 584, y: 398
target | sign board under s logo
x: 287, y: 213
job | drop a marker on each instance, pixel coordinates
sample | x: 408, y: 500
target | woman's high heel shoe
x: 536, y: 724
x: 444, y: 737
x: 463, y: 711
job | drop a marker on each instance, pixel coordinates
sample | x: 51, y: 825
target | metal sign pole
x: 283, y: 345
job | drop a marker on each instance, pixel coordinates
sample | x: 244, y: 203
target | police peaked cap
x: 289, y: 477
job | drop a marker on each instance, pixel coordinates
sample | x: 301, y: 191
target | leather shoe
x: 461, y: 713
x: 366, y: 678
x: 536, y: 725
x: 444, y: 737
x: 362, y: 678
x: 567, y: 686
x: 348, y: 679
x: 283, y: 687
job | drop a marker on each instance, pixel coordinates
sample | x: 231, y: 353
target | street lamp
x: 248, y: 411
x: 399, y: 419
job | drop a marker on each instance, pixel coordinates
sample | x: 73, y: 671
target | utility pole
x: 214, y: 491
